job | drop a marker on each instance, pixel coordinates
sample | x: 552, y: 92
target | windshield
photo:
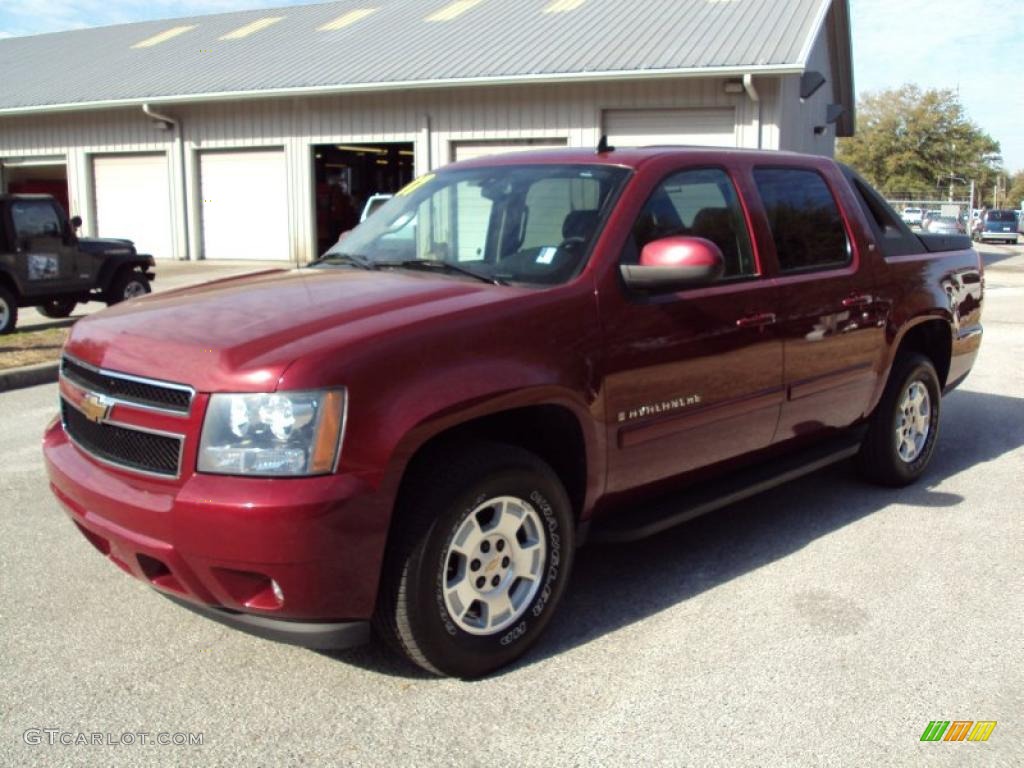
x: 527, y: 224
x: 1001, y: 216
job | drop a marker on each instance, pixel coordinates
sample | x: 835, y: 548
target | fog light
x: 278, y: 592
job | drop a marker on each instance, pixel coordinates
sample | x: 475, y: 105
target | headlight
x: 279, y: 434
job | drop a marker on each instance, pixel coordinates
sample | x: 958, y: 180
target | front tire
x: 129, y: 284
x: 901, y: 435
x: 481, y: 553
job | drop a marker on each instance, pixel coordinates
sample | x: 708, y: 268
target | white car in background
x: 913, y: 217
x: 372, y: 204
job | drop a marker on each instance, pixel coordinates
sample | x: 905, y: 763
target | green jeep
x: 44, y: 264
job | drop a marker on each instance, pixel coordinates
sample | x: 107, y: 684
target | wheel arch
x: 930, y: 335
x: 7, y: 281
x: 550, y: 430
x: 113, y: 267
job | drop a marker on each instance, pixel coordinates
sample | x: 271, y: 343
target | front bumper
x: 321, y: 635
x: 221, y: 544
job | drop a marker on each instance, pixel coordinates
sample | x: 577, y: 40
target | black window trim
x: 853, y: 256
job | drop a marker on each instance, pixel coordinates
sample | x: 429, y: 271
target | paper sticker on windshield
x: 416, y: 184
x: 546, y: 255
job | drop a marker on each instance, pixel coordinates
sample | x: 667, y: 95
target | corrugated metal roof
x: 395, y: 46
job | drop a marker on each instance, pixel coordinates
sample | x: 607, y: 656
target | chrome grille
x: 121, y: 446
x: 156, y: 395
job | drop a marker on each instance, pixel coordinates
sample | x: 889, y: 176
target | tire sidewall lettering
x: 539, y: 500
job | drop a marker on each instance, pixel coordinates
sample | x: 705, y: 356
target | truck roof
x: 630, y: 157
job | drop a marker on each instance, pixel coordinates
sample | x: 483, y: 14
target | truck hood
x: 240, y: 334
x: 110, y: 245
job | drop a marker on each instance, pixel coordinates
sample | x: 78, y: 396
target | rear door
x: 830, y: 321
x: 694, y: 377
x: 45, y: 254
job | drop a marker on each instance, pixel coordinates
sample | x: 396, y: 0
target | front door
x: 693, y: 377
x: 45, y: 260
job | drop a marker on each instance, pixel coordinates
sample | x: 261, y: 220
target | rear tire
x: 129, y: 284
x: 901, y: 435
x: 58, y: 308
x: 8, y: 312
x: 482, y: 546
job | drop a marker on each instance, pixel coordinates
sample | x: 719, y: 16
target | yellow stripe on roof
x: 251, y: 28
x: 347, y: 19
x: 453, y: 10
x: 564, y: 6
x: 167, y: 34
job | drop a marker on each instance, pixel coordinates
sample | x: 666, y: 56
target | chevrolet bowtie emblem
x: 96, y: 408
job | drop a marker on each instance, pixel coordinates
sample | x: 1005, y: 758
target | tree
x: 1015, y: 191
x: 909, y: 142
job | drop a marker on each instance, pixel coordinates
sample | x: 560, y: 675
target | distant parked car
x: 45, y: 264
x: 929, y: 217
x: 913, y: 217
x: 944, y: 225
x: 999, y: 226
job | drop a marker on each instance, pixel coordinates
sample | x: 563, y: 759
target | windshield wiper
x: 442, y: 266
x: 346, y: 258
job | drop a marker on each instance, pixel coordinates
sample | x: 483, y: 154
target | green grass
x: 30, y: 347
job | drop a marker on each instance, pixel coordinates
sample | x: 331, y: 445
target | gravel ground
x: 824, y: 623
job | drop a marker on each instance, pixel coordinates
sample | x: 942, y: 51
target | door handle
x: 857, y: 301
x: 756, y: 321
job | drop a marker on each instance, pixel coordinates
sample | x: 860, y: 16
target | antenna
x: 603, y: 146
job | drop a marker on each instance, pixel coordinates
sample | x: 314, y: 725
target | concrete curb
x: 29, y: 376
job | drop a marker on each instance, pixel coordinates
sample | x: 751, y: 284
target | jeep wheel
x: 482, y: 553
x: 58, y: 308
x: 130, y: 284
x: 902, y: 433
x: 8, y: 311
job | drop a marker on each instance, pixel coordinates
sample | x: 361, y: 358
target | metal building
x: 259, y: 134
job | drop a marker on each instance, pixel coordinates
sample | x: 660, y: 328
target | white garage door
x: 245, y: 205
x: 650, y: 127
x: 133, y: 200
x: 470, y: 150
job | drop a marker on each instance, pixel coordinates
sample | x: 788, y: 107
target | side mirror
x: 675, y: 263
x: 76, y: 222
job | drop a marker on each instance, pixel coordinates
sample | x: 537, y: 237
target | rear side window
x: 698, y: 203
x: 34, y: 218
x: 804, y: 218
x: 892, y: 235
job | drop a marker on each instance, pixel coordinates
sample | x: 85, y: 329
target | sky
x: 971, y: 45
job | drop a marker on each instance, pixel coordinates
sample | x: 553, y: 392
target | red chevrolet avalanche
x: 511, y: 357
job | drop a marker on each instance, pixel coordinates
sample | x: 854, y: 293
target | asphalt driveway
x: 824, y: 623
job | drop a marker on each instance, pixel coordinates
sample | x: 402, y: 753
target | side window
x: 34, y: 218
x: 804, y: 219
x: 699, y: 203
x: 893, y: 236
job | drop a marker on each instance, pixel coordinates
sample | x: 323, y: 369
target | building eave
x: 355, y: 88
